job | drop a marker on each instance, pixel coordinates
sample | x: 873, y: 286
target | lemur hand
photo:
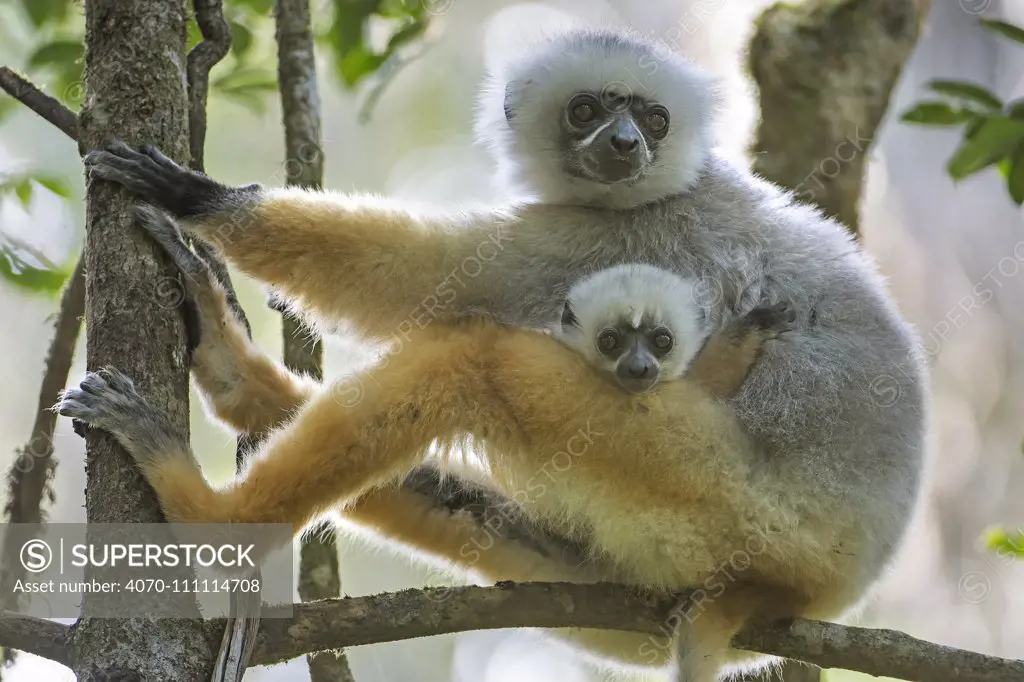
x: 149, y: 173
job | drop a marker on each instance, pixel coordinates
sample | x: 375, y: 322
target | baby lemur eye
x: 582, y: 109
x: 657, y: 120
x: 662, y: 340
x: 608, y: 340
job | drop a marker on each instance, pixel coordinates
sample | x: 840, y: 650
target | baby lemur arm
x: 360, y: 258
x: 726, y: 359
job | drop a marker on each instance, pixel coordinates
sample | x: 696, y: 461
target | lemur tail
x: 707, y: 625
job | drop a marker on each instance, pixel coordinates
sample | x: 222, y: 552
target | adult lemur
x: 818, y: 454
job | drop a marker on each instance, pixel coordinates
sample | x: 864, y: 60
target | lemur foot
x: 154, y: 177
x: 107, y: 400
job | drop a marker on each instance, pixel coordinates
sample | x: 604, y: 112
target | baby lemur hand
x: 723, y: 364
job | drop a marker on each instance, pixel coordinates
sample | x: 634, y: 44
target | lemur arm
x: 384, y: 268
x: 255, y: 394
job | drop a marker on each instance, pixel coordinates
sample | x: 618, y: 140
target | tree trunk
x: 135, y: 90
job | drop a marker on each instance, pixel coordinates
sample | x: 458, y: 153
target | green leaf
x: 1004, y: 29
x: 406, y: 34
x: 55, y: 185
x: 936, y: 114
x: 193, y: 35
x: 358, y: 64
x: 349, y: 24
x: 967, y: 91
x: 59, y: 52
x: 24, y: 191
x: 43, y: 11
x: 25, y: 268
x: 1015, y: 177
x: 1015, y: 109
x: 241, y: 39
x: 997, y: 539
x: 995, y: 138
x: 70, y: 83
x: 248, y: 86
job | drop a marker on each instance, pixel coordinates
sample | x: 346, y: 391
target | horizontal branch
x: 38, y: 101
x: 35, y: 636
x: 389, y: 617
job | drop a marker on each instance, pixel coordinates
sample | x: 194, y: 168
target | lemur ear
x: 569, y: 317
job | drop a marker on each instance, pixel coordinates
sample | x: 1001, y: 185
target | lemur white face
x: 634, y: 351
x: 597, y: 118
x: 638, y: 323
x: 611, y: 136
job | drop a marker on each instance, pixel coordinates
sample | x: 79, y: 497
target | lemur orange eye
x: 582, y: 109
x: 663, y: 341
x: 657, y: 120
x: 583, y: 113
x: 608, y: 340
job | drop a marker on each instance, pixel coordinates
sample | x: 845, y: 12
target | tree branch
x: 337, y: 623
x: 38, y: 101
x: 32, y: 471
x: 825, y: 70
x: 303, y: 351
x: 36, y: 636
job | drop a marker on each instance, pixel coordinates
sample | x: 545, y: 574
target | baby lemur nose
x: 638, y: 369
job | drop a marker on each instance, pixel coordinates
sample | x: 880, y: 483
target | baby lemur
x: 641, y: 325
x: 609, y: 136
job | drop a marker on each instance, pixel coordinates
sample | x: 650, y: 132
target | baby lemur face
x: 638, y: 323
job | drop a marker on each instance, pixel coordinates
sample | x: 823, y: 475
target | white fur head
x: 523, y: 107
x: 636, y: 303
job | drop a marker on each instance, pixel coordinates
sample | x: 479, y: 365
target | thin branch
x: 214, y: 47
x: 389, y: 617
x: 239, y: 631
x: 303, y: 351
x: 38, y: 101
x: 30, y: 475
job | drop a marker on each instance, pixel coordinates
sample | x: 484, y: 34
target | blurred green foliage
x: 993, y: 130
x: 249, y: 73
x: 247, y: 76
x: 19, y: 263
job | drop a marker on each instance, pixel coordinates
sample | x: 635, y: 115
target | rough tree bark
x: 303, y: 350
x: 135, y: 90
x: 825, y: 71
